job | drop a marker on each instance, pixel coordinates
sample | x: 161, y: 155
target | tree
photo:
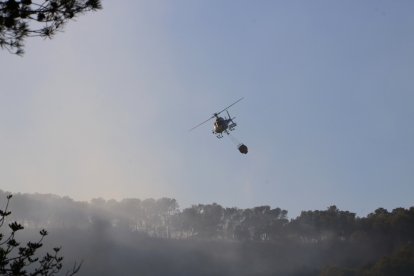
x: 42, y: 18
x: 399, y: 263
x: 17, y: 259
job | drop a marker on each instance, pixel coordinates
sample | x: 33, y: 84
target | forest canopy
x: 320, y: 242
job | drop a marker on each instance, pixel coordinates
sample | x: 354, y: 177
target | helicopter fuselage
x: 223, y: 125
x: 220, y: 125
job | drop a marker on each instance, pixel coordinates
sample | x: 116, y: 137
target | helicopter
x: 222, y: 125
x: 225, y: 125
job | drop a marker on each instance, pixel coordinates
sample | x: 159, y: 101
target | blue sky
x: 103, y: 109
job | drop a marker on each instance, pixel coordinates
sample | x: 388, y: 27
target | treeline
x: 162, y: 218
x: 331, y: 241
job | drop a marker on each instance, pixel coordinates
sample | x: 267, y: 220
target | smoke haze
x: 155, y: 237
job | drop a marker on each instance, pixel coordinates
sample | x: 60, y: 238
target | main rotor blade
x: 231, y: 105
x: 202, y: 123
x: 215, y: 114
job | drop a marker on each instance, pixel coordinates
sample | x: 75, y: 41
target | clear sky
x: 104, y: 109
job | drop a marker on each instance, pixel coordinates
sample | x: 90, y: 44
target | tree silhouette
x: 17, y: 259
x: 43, y: 18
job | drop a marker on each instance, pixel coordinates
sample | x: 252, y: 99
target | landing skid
x: 220, y: 135
x: 232, y: 126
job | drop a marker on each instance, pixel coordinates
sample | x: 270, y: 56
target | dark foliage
x: 18, y: 259
x: 400, y: 263
x: 26, y: 18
